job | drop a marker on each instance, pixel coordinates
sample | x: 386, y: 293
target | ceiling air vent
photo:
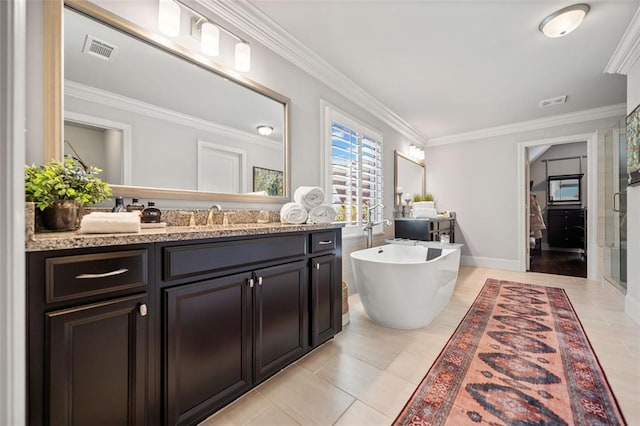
x: 553, y: 101
x: 99, y: 48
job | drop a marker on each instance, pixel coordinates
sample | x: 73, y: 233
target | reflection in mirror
x: 409, y: 177
x: 154, y: 118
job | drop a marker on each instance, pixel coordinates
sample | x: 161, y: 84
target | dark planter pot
x: 62, y: 216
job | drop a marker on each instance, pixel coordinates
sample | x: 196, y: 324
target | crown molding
x: 527, y: 126
x: 256, y: 24
x: 111, y: 99
x: 628, y: 50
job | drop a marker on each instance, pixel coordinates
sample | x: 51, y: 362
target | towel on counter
x: 321, y: 214
x: 309, y: 196
x: 110, y: 223
x: 293, y: 213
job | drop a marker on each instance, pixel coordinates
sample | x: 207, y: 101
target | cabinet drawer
x: 192, y: 260
x: 321, y: 241
x: 74, y: 277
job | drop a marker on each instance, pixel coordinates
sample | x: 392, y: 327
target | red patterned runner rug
x: 519, y: 357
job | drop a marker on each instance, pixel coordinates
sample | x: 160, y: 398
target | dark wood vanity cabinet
x: 280, y: 317
x: 168, y: 333
x: 326, y: 288
x: 88, y: 340
x: 207, y: 349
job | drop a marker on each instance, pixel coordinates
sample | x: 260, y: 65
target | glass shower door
x: 616, y: 207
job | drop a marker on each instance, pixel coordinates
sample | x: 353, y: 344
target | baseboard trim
x: 345, y: 319
x: 490, y: 262
x: 632, y: 308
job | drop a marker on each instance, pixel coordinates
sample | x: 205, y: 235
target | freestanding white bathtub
x: 399, y: 288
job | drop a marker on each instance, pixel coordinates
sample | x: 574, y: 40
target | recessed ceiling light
x: 563, y: 21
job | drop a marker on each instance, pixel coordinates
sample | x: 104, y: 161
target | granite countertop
x: 65, y: 240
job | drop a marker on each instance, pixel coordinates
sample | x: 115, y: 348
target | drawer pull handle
x: 317, y: 266
x: 106, y: 274
x: 324, y: 243
x: 259, y: 280
x: 250, y: 281
x: 143, y: 310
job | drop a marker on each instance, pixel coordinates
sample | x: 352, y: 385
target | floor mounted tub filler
x: 406, y: 285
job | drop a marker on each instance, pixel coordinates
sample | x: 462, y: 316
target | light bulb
x: 169, y: 17
x: 243, y: 57
x: 210, y: 39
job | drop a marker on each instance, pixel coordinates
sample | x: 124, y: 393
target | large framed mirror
x: 162, y: 121
x: 409, y: 178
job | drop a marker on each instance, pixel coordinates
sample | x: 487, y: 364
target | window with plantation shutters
x: 354, y: 164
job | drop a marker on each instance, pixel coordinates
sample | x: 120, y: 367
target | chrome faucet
x: 213, y: 208
x: 368, y: 226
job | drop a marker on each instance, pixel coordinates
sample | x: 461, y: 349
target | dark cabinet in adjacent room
x: 566, y: 227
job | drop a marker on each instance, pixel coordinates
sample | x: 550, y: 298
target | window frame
x: 329, y: 114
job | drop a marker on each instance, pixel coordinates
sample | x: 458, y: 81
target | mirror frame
x: 53, y: 107
x: 555, y: 178
x: 398, y: 156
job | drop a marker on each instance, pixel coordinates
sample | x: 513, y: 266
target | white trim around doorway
x: 592, y: 201
x: 12, y: 258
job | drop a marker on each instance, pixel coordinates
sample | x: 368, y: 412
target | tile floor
x: 365, y: 375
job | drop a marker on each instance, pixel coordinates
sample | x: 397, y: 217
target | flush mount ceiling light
x: 563, y: 21
x: 265, y: 130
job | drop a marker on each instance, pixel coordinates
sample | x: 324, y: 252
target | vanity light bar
x: 210, y: 38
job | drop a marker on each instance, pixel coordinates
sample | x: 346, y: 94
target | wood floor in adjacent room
x: 365, y: 375
x: 559, y: 262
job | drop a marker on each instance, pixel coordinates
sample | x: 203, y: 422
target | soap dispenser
x: 119, y: 207
x: 135, y: 206
x: 151, y: 214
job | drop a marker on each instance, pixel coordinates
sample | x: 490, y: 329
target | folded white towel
x: 424, y: 212
x: 110, y: 223
x: 293, y: 213
x: 309, y: 196
x: 321, y: 214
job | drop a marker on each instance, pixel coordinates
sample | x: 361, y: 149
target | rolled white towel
x: 293, y: 213
x: 110, y: 223
x: 321, y: 214
x: 309, y: 196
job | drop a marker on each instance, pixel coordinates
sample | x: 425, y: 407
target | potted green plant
x: 60, y: 189
x: 417, y: 198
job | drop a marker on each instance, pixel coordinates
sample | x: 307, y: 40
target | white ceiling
x: 448, y: 67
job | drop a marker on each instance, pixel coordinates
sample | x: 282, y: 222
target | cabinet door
x: 324, y: 306
x: 207, y: 346
x: 281, y: 321
x: 97, y: 363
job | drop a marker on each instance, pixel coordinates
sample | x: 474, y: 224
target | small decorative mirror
x: 408, y: 178
x: 564, y: 189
